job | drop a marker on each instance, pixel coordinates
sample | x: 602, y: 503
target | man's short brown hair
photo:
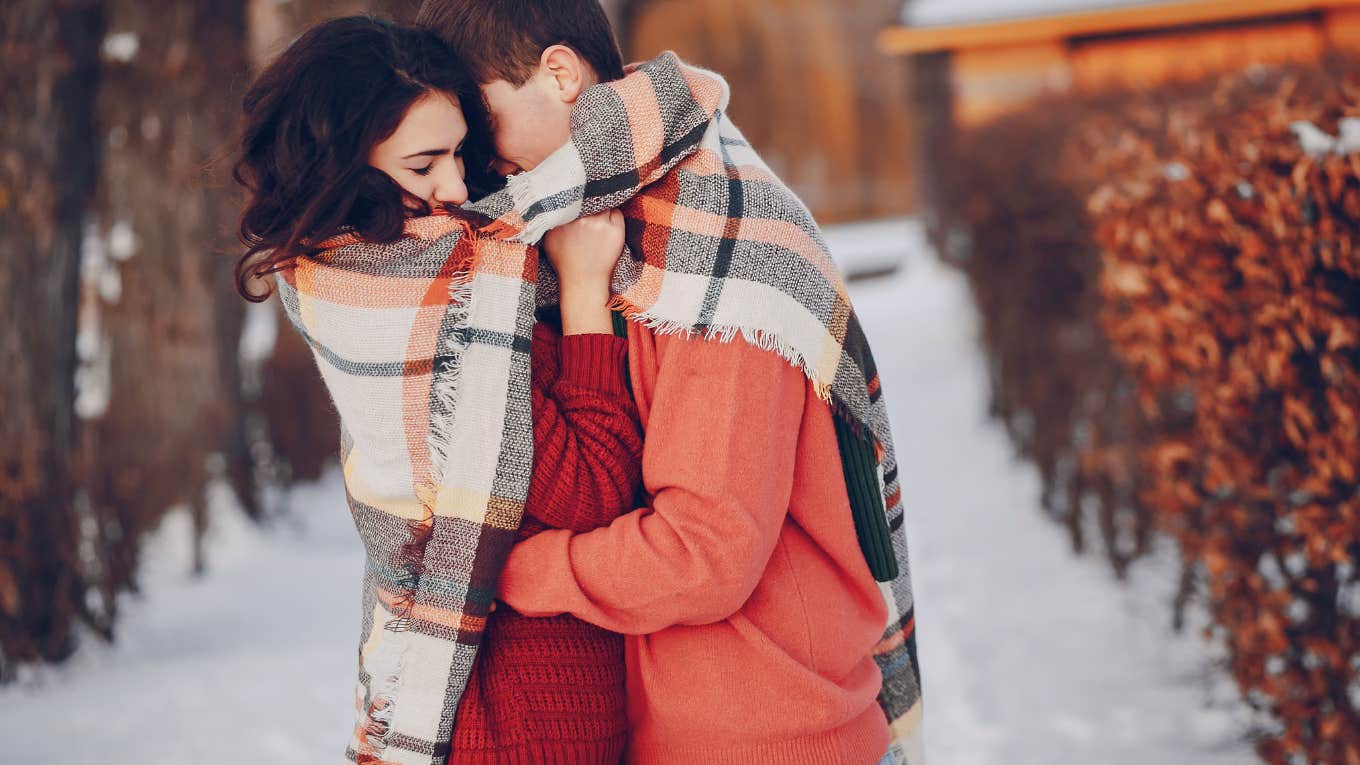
x: 504, y: 39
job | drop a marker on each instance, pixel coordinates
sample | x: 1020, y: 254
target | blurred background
x: 1105, y: 250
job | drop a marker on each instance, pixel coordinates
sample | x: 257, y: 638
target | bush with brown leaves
x: 1232, y: 279
x: 1209, y: 265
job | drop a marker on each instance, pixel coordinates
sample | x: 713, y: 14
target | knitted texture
x: 552, y: 690
x: 423, y: 345
x: 587, y: 440
x: 747, y: 610
x: 427, y: 361
x: 719, y: 247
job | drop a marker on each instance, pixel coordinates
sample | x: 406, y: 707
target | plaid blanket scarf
x: 720, y: 247
x: 424, y: 348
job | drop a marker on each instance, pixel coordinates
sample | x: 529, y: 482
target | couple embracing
x: 611, y: 432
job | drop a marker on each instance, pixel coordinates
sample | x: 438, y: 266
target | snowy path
x: 1031, y: 656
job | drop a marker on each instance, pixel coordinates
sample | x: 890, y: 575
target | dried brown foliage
x: 1235, y: 285
x: 1170, y: 297
x: 1008, y: 210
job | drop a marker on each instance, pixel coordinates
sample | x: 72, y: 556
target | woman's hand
x: 584, y: 253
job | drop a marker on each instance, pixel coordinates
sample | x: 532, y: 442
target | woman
x: 354, y: 150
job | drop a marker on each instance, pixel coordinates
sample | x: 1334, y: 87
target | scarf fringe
x: 376, y: 723
x: 523, y: 189
x: 447, y: 377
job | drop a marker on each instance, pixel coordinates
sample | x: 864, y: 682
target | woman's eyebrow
x: 427, y: 153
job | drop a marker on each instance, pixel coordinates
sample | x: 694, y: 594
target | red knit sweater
x: 551, y: 690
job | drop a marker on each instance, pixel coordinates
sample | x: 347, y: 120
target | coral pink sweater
x: 749, y: 609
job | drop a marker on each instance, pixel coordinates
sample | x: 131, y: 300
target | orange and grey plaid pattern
x: 424, y: 348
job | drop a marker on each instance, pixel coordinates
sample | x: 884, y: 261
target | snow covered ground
x: 1031, y: 656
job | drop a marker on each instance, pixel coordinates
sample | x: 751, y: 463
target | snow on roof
x: 931, y: 13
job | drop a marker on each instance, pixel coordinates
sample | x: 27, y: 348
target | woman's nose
x: 450, y: 190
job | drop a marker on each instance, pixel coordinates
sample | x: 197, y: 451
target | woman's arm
x: 587, y: 439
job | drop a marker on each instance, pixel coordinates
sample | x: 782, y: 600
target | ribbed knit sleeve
x: 587, y: 439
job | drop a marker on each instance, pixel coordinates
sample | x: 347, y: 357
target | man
x: 753, y: 620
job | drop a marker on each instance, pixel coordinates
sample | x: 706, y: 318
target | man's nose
x: 504, y: 167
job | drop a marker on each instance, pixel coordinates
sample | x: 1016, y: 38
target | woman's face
x: 425, y: 154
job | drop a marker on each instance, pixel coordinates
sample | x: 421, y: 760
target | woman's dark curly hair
x: 312, y: 118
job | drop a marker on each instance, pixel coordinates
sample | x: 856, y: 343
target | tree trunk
x: 48, y: 160
x: 158, y: 295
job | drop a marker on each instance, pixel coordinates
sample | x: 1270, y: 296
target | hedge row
x: 1170, y: 292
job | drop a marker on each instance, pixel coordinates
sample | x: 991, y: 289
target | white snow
x: 259, y: 333
x: 92, y: 388
x: 122, y: 46
x: 151, y: 127
x: 252, y: 663
x: 1348, y: 135
x: 1031, y: 656
x: 122, y: 240
x: 1317, y: 142
x: 99, y: 283
x: 874, y: 247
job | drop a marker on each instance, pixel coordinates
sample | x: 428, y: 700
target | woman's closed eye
x: 457, y: 154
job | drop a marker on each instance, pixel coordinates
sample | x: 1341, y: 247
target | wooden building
x: 810, y: 89
x: 997, y: 54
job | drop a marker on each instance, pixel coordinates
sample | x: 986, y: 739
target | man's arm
x: 718, y: 459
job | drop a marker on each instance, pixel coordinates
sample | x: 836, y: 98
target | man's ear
x: 568, y: 74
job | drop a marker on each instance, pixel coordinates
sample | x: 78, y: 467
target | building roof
x: 930, y: 13
x: 935, y: 25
